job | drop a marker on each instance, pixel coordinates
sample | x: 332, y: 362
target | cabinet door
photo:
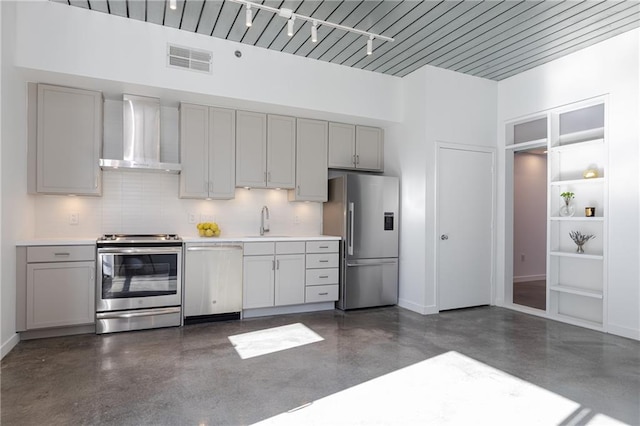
x: 257, y: 282
x: 369, y: 148
x: 194, y: 151
x: 342, y: 146
x: 290, y: 279
x: 251, y: 149
x: 311, y: 157
x: 222, y: 153
x: 281, y: 151
x: 69, y: 141
x: 60, y: 294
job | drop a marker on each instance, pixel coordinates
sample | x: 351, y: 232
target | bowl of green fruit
x: 208, y: 229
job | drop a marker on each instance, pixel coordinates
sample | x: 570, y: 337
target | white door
x: 465, y: 237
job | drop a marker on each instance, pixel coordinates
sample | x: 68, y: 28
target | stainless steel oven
x: 139, y: 282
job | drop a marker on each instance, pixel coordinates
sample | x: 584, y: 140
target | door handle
x: 350, y: 243
x: 444, y: 237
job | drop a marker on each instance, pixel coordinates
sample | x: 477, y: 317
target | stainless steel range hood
x: 141, y: 137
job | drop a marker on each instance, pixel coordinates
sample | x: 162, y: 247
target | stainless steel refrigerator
x: 363, y: 210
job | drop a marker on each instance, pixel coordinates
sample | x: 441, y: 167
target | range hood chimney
x: 141, y: 137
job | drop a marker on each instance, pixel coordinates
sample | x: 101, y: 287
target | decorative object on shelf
x: 580, y: 239
x: 208, y: 229
x: 590, y: 211
x: 591, y: 172
x: 567, y: 209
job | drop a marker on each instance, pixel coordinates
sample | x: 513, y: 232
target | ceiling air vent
x: 192, y: 59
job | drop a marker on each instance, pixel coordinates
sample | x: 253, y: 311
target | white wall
x: 17, y: 207
x: 530, y: 217
x: 441, y: 106
x: 610, y: 67
x: 74, y: 41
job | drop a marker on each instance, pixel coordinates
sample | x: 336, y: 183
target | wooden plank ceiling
x: 490, y: 39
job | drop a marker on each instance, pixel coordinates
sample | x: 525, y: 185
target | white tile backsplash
x: 142, y: 202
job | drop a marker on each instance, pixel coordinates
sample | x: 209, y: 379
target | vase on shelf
x: 568, y: 209
x: 580, y: 250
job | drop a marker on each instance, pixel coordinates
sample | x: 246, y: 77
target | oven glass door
x: 139, y: 278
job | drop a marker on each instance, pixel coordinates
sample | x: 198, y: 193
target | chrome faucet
x: 264, y: 214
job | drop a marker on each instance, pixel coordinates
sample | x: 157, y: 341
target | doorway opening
x: 530, y: 228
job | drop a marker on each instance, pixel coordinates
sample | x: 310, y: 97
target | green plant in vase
x: 567, y: 209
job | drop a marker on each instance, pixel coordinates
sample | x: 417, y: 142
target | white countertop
x: 225, y: 239
x: 253, y: 239
x: 58, y: 242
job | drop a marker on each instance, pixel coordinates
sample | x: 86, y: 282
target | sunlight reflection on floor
x: 449, y: 389
x: 262, y: 342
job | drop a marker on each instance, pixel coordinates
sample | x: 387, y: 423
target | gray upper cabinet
x: 356, y: 147
x: 68, y: 140
x: 207, y: 152
x: 265, y: 150
x: 311, y: 160
x: 281, y: 148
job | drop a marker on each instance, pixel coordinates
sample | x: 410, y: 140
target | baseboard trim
x: 526, y: 278
x: 421, y: 309
x: 621, y: 331
x: 9, y: 344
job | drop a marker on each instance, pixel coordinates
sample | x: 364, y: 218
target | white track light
x: 173, y: 4
x: 370, y: 45
x: 248, y: 15
x: 314, y: 32
x: 290, y: 26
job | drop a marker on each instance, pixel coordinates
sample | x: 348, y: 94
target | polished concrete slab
x: 193, y: 375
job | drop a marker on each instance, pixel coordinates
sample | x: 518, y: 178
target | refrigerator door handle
x: 350, y: 242
x: 390, y: 262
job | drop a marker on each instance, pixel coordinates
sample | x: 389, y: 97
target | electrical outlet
x: 74, y: 218
x: 207, y: 218
x: 193, y: 218
x: 296, y: 220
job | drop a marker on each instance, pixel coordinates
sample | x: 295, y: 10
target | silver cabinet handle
x: 444, y: 237
x: 323, y: 247
x: 357, y: 159
x: 323, y: 261
x: 277, y: 264
x: 323, y: 276
x: 268, y: 176
x: 323, y: 294
x: 298, y: 189
x: 62, y: 254
x: 273, y: 265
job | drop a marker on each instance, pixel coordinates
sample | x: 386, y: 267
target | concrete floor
x: 192, y: 375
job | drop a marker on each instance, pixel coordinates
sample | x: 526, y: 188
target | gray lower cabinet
x: 56, y: 286
x: 322, y: 271
x: 207, y: 152
x: 66, y: 144
x: 311, y: 161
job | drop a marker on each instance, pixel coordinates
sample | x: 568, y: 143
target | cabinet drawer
x: 322, y: 276
x: 290, y: 247
x: 320, y: 260
x: 60, y: 253
x: 321, y: 293
x: 259, y: 249
x: 322, y: 246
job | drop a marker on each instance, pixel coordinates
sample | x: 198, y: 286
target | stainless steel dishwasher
x: 212, y: 282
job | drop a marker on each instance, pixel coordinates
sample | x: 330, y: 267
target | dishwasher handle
x: 215, y: 248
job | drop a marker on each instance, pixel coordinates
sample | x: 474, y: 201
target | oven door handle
x: 137, y: 313
x: 135, y: 250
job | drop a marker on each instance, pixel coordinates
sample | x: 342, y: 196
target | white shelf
x: 577, y: 255
x: 583, y: 181
x: 529, y: 144
x: 580, y: 137
x: 578, y: 145
x: 576, y: 290
x: 578, y: 321
x: 577, y: 219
